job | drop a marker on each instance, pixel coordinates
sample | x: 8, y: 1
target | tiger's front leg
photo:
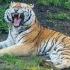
x: 7, y: 43
x: 4, y: 44
x: 17, y: 50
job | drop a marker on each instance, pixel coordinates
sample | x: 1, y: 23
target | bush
x: 3, y: 24
x: 44, y: 2
x: 61, y: 16
x: 8, y: 1
x: 67, y: 5
x: 50, y: 2
x: 58, y: 16
x: 5, y: 1
x: 60, y: 3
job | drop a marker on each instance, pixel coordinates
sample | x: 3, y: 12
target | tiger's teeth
x: 19, y: 15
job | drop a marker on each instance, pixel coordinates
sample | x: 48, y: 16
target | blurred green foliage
x: 3, y: 24
x: 8, y: 1
x: 59, y: 16
x: 4, y: 1
x: 67, y: 5
x: 60, y: 3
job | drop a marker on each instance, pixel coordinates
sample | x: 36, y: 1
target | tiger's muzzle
x: 17, y: 19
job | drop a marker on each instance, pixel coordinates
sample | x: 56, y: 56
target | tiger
x: 28, y: 37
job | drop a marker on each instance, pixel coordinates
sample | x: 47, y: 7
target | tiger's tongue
x: 17, y: 21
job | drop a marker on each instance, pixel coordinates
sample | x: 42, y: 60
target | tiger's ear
x: 32, y: 5
x: 12, y: 3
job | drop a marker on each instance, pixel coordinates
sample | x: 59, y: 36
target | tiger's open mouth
x: 16, y: 19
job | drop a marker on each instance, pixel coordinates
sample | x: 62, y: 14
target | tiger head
x: 19, y: 14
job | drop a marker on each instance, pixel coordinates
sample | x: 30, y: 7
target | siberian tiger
x: 27, y: 37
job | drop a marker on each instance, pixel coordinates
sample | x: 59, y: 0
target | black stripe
x: 47, y: 44
x: 51, y: 46
x: 37, y: 36
x: 40, y: 50
x: 29, y: 38
x: 60, y: 43
x: 63, y: 39
x: 30, y: 32
x: 52, y: 35
x: 25, y: 35
x: 56, y: 39
x: 8, y: 18
x: 59, y: 50
x: 45, y: 47
x: 28, y: 17
x: 65, y: 58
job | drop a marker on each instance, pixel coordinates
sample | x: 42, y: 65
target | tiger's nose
x: 15, y: 10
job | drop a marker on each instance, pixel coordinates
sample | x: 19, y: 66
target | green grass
x: 3, y: 24
x: 21, y: 63
x: 59, y: 16
x: 8, y: 1
x: 67, y: 5
x: 58, y: 3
